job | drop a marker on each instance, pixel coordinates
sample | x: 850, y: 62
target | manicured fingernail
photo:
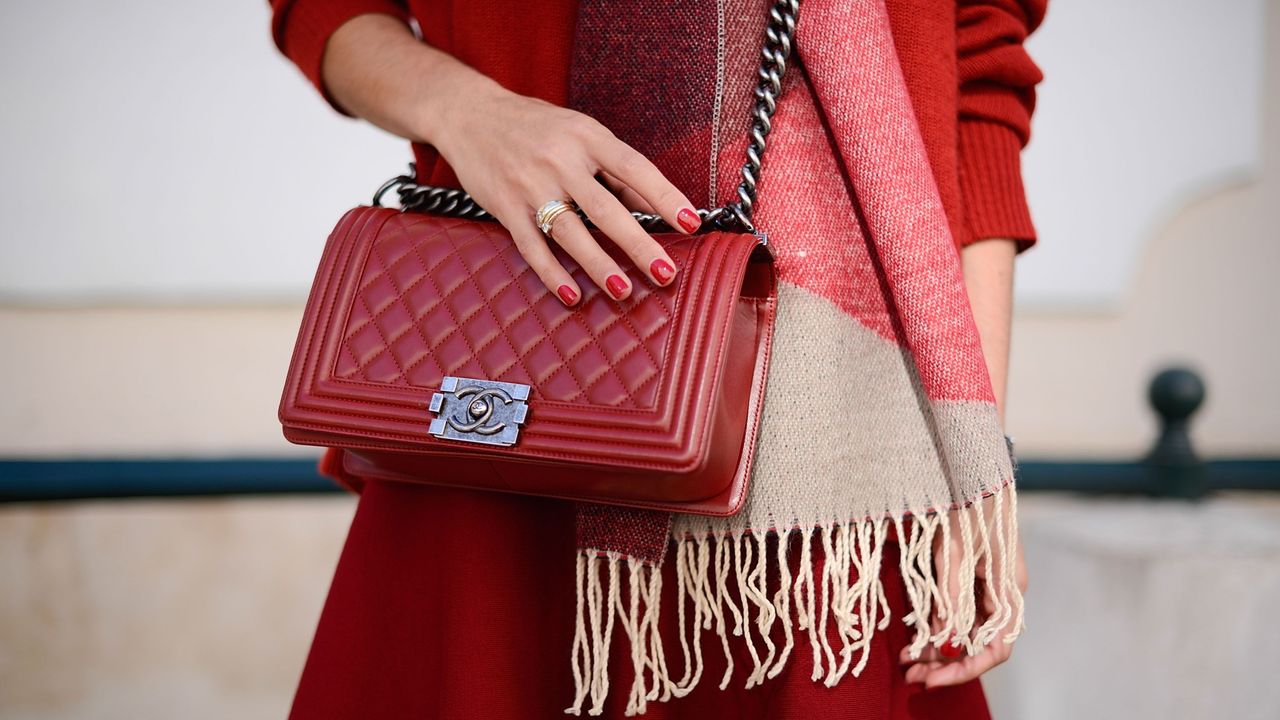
x: 567, y: 295
x: 662, y: 270
x: 617, y: 286
x: 689, y: 220
x: 951, y: 649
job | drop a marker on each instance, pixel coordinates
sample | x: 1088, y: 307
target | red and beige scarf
x: 879, y: 420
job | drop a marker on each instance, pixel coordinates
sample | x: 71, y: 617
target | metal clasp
x: 480, y: 411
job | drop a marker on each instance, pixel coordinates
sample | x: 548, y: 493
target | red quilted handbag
x: 430, y: 352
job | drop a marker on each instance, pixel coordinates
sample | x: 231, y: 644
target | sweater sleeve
x: 302, y: 28
x: 996, y: 98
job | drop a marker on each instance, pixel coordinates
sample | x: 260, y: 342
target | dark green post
x: 1175, y: 394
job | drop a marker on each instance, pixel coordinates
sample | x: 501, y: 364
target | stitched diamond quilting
x: 437, y: 298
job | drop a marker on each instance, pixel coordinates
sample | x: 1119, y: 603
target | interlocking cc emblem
x: 481, y: 411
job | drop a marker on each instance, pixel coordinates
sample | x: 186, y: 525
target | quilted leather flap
x: 403, y: 300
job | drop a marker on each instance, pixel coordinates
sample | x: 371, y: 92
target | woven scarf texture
x: 879, y: 423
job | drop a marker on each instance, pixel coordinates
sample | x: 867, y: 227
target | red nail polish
x: 567, y: 295
x: 616, y: 286
x: 662, y: 270
x: 951, y: 649
x: 689, y: 220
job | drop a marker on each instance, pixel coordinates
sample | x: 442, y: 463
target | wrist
x: 443, y: 108
x: 377, y: 69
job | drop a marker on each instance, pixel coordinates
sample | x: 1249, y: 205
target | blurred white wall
x: 165, y: 151
x: 157, y: 150
x: 1146, y: 106
x: 162, y: 610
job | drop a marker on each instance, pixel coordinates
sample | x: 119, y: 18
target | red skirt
x: 456, y: 604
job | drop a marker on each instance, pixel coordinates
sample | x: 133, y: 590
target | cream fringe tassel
x: 746, y: 607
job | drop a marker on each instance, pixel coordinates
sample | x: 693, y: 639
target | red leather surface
x: 649, y: 401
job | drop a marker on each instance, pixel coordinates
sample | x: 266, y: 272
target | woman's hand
x: 512, y: 153
x: 988, y: 275
x: 934, y: 667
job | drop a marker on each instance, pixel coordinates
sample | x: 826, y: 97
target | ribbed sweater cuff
x: 994, y: 200
x: 303, y: 30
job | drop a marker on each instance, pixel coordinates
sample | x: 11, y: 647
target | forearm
x: 988, y: 276
x: 376, y: 69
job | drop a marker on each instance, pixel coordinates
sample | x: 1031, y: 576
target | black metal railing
x: 1172, y: 467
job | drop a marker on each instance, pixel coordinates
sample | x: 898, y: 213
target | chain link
x: 734, y: 216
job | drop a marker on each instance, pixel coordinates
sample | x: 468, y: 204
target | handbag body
x: 429, y: 351
x: 651, y: 401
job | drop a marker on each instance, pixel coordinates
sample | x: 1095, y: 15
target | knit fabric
x: 879, y: 420
x: 972, y: 82
x: 879, y: 406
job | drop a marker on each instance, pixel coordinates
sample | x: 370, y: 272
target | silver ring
x: 547, y: 214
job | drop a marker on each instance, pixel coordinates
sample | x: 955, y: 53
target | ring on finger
x: 546, y: 215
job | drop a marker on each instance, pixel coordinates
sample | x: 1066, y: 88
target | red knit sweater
x: 971, y: 82
x: 419, y: 620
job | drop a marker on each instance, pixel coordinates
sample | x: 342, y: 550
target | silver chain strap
x: 734, y: 216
